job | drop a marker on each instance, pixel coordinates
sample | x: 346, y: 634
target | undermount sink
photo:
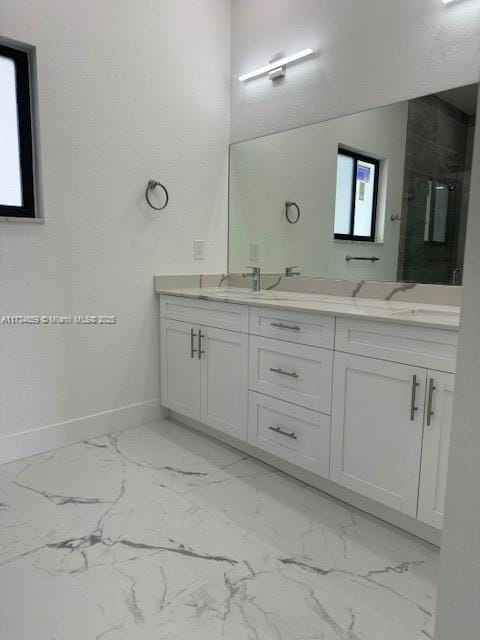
x: 428, y: 313
x: 246, y: 294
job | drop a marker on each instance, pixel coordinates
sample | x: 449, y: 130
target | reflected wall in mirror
x: 390, y: 184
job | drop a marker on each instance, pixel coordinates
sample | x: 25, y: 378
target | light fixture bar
x: 281, y: 62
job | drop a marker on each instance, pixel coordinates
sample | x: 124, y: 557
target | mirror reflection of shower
x: 436, y: 186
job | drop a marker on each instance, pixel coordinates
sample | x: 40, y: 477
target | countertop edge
x: 273, y: 304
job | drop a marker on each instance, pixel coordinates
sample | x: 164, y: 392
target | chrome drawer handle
x: 280, y: 325
x: 193, y: 335
x: 290, y: 374
x: 200, y: 350
x: 288, y: 434
x: 430, y: 412
x: 413, y: 402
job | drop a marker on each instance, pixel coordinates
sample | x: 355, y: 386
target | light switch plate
x: 199, y: 249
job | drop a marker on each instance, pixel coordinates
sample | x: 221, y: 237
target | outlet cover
x: 254, y: 252
x: 199, y: 249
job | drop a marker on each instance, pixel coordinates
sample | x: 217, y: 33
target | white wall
x: 370, y: 53
x: 128, y: 91
x: 459, y: 580
x: 301, y: 165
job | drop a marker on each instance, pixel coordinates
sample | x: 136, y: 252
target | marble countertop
x: 412, y: 313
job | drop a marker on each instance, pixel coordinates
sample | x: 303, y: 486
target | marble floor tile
x: 160, y: 533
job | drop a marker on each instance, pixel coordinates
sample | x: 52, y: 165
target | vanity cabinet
x: 391, y: 428
x: 436, y: 441
x: 204, y: 369
x: 180, y: 367
x: 366, y: 404
x: 377, y: 423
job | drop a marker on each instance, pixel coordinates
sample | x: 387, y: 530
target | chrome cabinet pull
x: 413, y: 403
x: 280, y: 325
x: 288, y: 434
x: 200, y: 350
x: 193, y: 335
x: 430, y: 412
x: 291, y: 374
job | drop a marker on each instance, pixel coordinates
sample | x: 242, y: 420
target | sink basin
x: 233, y: 294
x: 246, y: 294
x: 428, y: 313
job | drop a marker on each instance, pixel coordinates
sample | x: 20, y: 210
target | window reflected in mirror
x: 391, y: 183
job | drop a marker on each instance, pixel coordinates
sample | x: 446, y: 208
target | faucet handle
x: 255, y: 269
x: 289, y: 271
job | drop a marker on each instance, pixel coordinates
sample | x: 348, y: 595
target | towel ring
x: 289, y: 204
x: 152, y: 184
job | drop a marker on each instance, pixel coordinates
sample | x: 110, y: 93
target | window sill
x: 22, y: 219
x: 366, y: 243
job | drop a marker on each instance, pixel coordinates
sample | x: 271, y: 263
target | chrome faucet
x: 289, y: 271
x: 457, y: 276
x: 255, y: 278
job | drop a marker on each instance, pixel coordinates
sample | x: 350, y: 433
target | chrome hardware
x: 457, y: 277
x: 430, y: 412
x: 291, y: 374
x: 280, y: 325
x: 193, y: 335
x: 413, y: 403
x: 370, y: 258
x: 255, y: 278
x: 200, y: 350
x: 289, y: 271
x: 289, y: 204
x: 288, y: 434
x: 153, y: 184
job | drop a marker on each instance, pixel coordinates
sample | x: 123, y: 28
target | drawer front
x: 222, y: 315
x: 292, y: 372
x: 312, y: 329
x: 292, y: 433
x: 418, y: 346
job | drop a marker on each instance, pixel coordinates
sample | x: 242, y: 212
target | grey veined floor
x: 159, y: 533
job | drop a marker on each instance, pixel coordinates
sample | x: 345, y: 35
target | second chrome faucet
x: 255, y: 278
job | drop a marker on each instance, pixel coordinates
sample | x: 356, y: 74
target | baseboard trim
x: 27, y: 443
x: 379, y: 511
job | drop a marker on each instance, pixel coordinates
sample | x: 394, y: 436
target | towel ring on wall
x: 153, y: 184
x: 289, y: 204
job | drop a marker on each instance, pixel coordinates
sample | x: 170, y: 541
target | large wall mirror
x: 378, y: 195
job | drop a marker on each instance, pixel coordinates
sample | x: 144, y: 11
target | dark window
x: 356, y: 196
x: 17, y: 192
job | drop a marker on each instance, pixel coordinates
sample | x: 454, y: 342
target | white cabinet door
x: 377, y: 423
x: 436, y: 441
x: 180, y: 367
x: 224, y: 361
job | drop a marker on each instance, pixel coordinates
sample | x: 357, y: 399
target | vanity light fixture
x: 275, y: 69
x: 449, y: 1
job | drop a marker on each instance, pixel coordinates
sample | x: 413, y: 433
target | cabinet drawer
x: 418, y: 346
x: 292, y: 372
x: 312, y: 329
x: 222, y: 315
x: 295, y: 434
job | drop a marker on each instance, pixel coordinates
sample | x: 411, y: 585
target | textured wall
x: 459, y: 588
x: 128, y: 91
x: 370, y: 53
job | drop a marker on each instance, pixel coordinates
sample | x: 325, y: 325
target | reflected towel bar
x: 370, y: 259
